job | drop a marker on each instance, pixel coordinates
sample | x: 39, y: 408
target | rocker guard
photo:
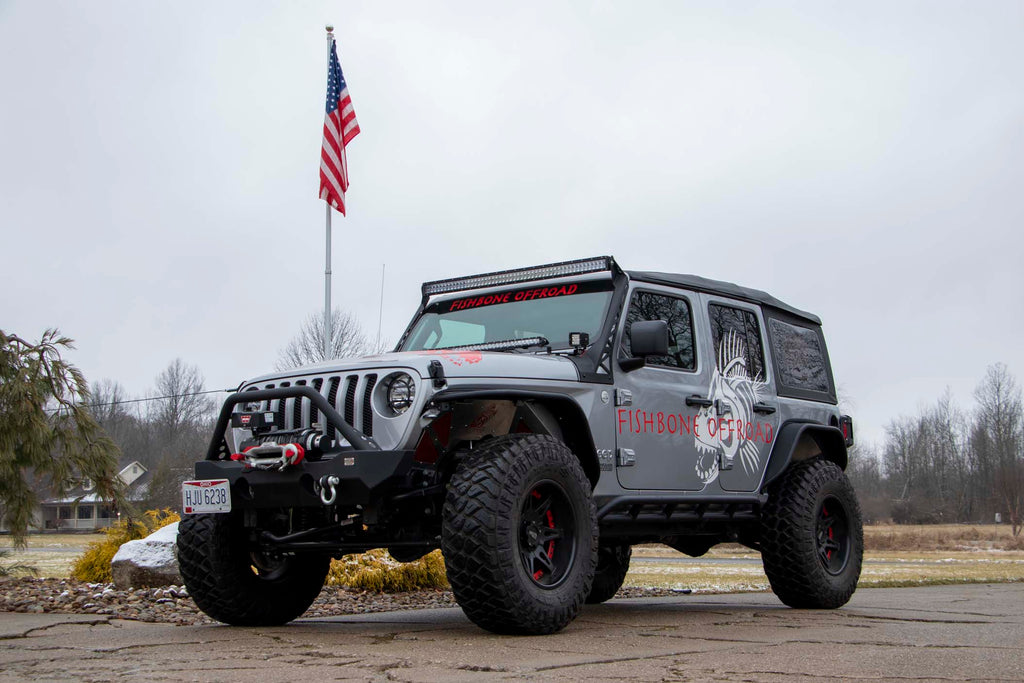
x: 364, y: 477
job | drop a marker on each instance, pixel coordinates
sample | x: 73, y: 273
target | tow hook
x: 328, y: 492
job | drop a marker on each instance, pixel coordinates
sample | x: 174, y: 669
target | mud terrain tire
x: 229, y: 584
x: 612, y: 565
x: 812, y: 540
x: 519, y: 536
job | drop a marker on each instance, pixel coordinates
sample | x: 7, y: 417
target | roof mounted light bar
x: 507, y: 277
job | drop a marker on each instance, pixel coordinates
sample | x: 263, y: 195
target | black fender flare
x: 567, y: 411
x: 829, y: 439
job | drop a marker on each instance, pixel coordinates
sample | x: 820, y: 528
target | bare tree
x: 181, y: 406
x: 998, y: 438
x: 307, y: 346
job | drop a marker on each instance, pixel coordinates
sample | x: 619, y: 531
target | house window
x: 106, y: 512
x: 64, y: 512
x: 85, y: 512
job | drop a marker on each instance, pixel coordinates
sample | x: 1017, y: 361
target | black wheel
x: 239, y: 587
x: 612, y: 565
x: 812, y: 541
x: 520, y: 535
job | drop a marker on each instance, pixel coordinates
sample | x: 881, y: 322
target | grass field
x: 895, y: 556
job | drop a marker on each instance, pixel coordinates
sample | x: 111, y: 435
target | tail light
x: 846, y: 425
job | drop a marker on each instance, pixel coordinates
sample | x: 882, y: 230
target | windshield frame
x: 477, y: 299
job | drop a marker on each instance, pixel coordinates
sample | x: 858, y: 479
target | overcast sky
x: 864, y: 161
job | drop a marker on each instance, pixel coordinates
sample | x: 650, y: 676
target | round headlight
x: 401, y: 392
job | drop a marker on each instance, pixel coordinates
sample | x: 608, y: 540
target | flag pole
x: 327, y: 269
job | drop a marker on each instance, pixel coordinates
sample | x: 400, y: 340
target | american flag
x: 340, y: 127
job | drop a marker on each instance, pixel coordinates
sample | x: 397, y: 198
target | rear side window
x: 799, y: 356
x: 676, y: 312
x: 737, y: 339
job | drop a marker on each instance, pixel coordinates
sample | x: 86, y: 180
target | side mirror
x: 649, y: 338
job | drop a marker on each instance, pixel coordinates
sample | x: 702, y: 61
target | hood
x: 457, y: 364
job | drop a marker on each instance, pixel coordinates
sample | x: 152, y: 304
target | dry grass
x: 377, y: 571
x: 942, y: 537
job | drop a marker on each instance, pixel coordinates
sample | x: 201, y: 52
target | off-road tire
x: 222, y: 576
x: 489, y: 525
x: 612, y: 565
x: 812, y: 539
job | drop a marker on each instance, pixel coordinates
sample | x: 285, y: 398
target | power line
x: 150, y: 398
x: 160, y: 398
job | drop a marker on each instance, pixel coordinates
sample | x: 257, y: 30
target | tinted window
x: 737, y: 337
x: 676, y: 312
x: 797, y: 352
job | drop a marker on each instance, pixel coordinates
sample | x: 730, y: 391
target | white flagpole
x: 327, y: 269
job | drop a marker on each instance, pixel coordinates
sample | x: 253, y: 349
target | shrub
x: 377, y: 571
x: 94, y: 564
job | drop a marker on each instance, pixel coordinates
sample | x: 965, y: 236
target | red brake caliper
x: 540, y: 572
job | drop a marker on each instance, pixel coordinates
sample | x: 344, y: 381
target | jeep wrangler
x: 534, y: 424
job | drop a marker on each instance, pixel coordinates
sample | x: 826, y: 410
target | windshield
x: 550, y: 312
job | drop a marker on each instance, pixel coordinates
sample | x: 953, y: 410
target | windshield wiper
x: 505, y: 345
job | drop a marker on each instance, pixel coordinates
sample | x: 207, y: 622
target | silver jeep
x: 534, y: 424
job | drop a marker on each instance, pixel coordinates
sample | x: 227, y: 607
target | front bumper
x: 364, y: 476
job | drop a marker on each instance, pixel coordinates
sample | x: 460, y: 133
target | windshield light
x: 504, y: 277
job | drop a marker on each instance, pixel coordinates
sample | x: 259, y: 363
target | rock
x: 148, y: 562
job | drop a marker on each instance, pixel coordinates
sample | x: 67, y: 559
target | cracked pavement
x: 939, y: 633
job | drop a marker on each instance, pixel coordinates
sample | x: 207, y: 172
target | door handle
x: 698, y: 400
x: 764, y: 408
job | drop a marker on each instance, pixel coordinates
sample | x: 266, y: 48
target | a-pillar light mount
x: 579, y: 341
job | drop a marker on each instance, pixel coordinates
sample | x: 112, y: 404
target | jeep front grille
x: 355, y: 392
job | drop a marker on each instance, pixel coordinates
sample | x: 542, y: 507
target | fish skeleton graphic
x: 731, y: 386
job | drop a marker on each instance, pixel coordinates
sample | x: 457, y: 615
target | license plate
x: 210, y: 495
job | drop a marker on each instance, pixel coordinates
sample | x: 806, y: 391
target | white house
x: 81, y: 508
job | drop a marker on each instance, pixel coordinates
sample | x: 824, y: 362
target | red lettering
x: 712, y: 426
x: 671, y: 424
x: 648, y: 422
x: 661, y: 422
x: 769, y: 433
x: 621, y: 412
x: 758, y: 435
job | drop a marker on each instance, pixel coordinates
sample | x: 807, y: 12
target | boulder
x: 148, y: 563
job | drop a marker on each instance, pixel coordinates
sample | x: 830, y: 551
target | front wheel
x: 812, y: 540
x: 520, y: 535
x: 237, y: 586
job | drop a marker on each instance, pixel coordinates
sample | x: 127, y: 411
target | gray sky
x: 158, y: 170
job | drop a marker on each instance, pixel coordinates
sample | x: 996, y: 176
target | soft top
x: 703, y: 284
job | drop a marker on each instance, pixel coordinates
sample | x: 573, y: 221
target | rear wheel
x: 520, y: 535
x: 812, y: 540
x: 612, y: 566
x: 237, y: 586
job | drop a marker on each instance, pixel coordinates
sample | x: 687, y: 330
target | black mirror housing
x: 649, y: 338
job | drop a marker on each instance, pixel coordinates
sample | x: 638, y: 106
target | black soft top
x: 703, y: 284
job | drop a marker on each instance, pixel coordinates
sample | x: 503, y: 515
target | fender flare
x: 566, y: 410
x: 829, y: 439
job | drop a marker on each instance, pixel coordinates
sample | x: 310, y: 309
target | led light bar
x: 505, y: 345
x: 507, y: 277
